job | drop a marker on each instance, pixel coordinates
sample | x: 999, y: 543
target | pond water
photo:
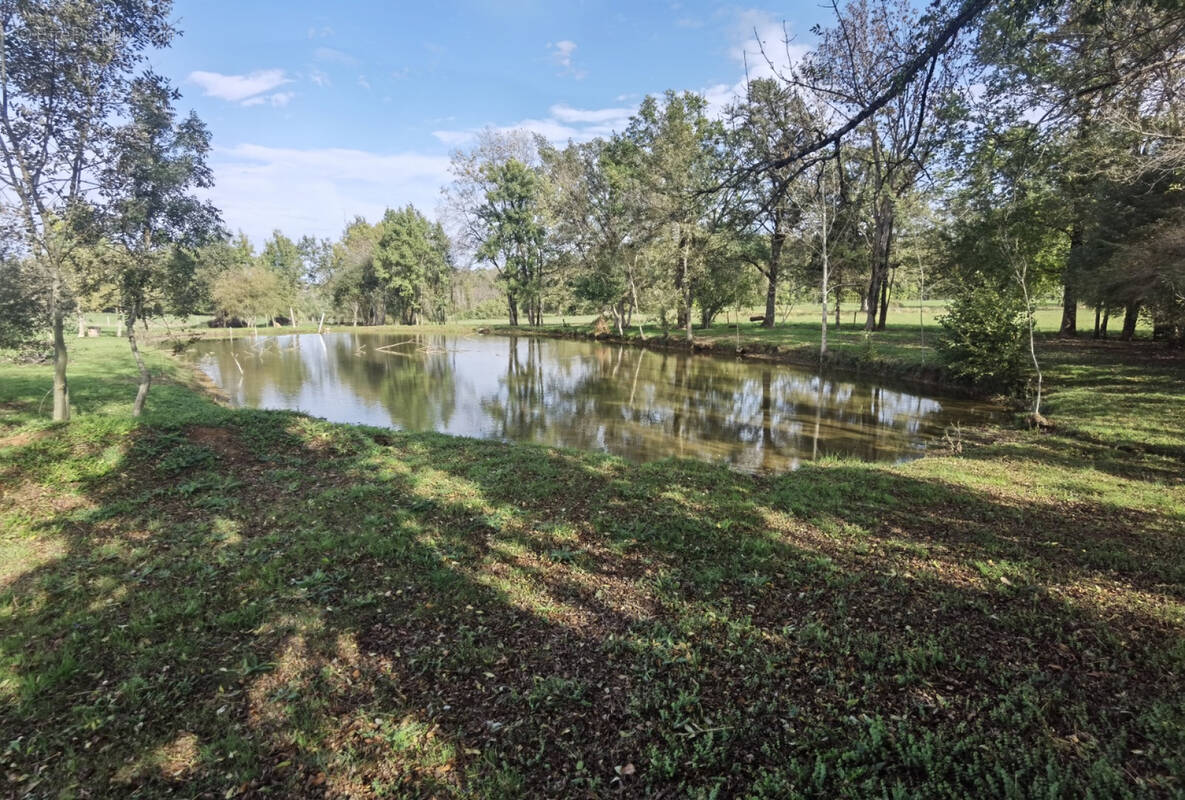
x: 639, y: 404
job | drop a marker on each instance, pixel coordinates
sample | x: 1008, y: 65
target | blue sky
x: 321, y: 111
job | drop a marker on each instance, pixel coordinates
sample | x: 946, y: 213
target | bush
x: 983, y: 340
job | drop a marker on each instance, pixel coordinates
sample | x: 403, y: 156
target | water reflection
x: 639, y: 404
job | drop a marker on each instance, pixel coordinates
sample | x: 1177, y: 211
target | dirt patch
x: 220, y: 440
x: 22, y: 439
x: 39, y: 499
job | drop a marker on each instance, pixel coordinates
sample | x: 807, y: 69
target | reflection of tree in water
x: 520, y: 410
x: 415, y: 386
x: 274, y: 371
x: 414, y: 383
x: 645, y: 405
x: 637, y: 403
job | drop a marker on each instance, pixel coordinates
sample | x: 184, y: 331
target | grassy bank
x: 234, y: 603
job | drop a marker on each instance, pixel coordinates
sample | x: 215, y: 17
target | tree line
x: 1051, y: 138
x: 988, y: 153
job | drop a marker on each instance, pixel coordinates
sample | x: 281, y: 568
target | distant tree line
x: 398, y: 270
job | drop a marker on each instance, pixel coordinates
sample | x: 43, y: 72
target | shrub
x: 983, y: 339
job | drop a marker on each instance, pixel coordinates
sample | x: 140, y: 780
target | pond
x: 639, y: 404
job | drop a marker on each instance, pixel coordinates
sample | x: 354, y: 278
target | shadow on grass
x: 254, y: 602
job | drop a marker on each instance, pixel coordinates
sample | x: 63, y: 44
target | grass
x: 210, y: 602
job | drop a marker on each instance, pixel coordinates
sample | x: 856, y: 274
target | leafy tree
x: 65, y: 71
x: 211, y: 260
x: 354, y: 283
x: 411, y: 260
x: 848, y: 69
x: 248, y: 292
x: 1151, y: 266
x: 771, y: 122
x: 157, y: 166
x: 595, y: 204
x: 983, y: 337
x: 678, y: 165
x: 513, y: 237
x: 282, y: 256
x: 23, y: 309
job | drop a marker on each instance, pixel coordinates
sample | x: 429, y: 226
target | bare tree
x: 871, y: 42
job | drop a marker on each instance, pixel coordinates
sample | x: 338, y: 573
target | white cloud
x: 320, y: 33
x: 332, y: 56
x: 564, y: 123
x: 365, y: 84
x: 561, y: 55
x: 566, y: 113
x: 319, y: 78
x: 318, y: 191
x: 760, y: 43
x: 237, y: 88
x: 277, y: 100
x: 454, y: 138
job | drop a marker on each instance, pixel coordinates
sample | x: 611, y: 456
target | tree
x: 354, y: 284
x: 1151, y: 265
x: 983, y: 336
x: 1008, y: 239
x: 22, y: 306
x: 412, y: 261
x: 1106, y: 79
x: 248, y: 292
x: 214, y: 258
x: 65, y: 67
x: 283, y: 257
x: 595, y: 205
x: 847, y: 70
x: 157, y: 165
x: 513, y: 237
x: 771, y: 122
x: 678, y: 165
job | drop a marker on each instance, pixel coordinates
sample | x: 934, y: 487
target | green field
x: 215, y: 602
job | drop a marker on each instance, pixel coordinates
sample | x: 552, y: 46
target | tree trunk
x: 775, y: 258
x: 512, y: 309
x: 145, y: 375
x: 1131, y: 316
x: 882, y: 244
x: 1098, y: 321
x: 81, y: 325
x: 826, y: 263
x: 886, y: 291
x: 1069, y: 326
x: 61, y: 390
x: 1106, y: 320
x: 682, y: 318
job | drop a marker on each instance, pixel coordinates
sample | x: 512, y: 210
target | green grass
x: 210, y: 602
